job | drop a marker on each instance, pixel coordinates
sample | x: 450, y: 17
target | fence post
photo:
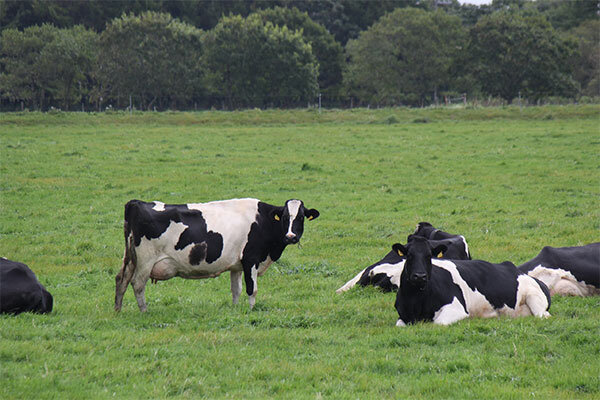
x: 319, y: 103
x: 130, y: 106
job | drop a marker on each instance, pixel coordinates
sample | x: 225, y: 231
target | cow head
x: 291, y: 218
x: 418, y: 252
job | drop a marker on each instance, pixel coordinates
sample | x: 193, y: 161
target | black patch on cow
x: 20, y: 291
x: 383, y: 281
x: 581, y: 261
x: 414, y: 304
x: 496, y: 282
x: 455, y: 247
x: 144, y: 221
x: 198, y: 253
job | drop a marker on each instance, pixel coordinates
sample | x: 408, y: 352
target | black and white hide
x: 203, y: 240
x: 567, y: 271
x: 446, y: 291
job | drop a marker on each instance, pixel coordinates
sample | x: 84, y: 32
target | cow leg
x: 138, y: 282
x: 538, y: 304
x: 250, y: 276
x: 122, y: 280
x: 236, y: 285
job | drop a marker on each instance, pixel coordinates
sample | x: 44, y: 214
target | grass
x: 510, y: 180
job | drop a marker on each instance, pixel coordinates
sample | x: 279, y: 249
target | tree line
x: 239, y: 54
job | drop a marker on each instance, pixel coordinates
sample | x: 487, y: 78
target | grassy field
x: 510, y: 180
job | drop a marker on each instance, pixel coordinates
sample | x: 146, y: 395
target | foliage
x: 511, y: 181
x: 327, y: 51
x: 45, y: 63
x: 151, y: 55
x: 404, y: 58
x: 514, y: 52
x: 586, y: 66
x: 252, y: 63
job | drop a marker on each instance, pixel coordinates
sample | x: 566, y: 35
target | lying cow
x: 567, y: 271
x: 459, y: 249
x: 203, y: 240
x: 385, y: 273
x: 20, y: 290
x: 445, y: 291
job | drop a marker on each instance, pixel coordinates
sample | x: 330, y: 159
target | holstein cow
x: 567, y: 271
x: 445, y: 291
x: 203, y: 240
x: 459, y: 247
x: 385, y: 273
x: 20, y: 290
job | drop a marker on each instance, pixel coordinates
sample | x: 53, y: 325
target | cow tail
x: 546, y: 291
x: 129, y: 256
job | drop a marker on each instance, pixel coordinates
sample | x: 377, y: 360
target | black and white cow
x: 446, y: 291
x: 203, y: 240
x: 567, y: 271
x: 385, y: 273
x: 20, y: 290
x: 459, y: 249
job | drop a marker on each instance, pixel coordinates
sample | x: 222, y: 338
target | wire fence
x: 136, y: 103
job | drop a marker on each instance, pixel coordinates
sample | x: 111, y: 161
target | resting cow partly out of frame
x: 446, y: 291
x: 385, y: 273
x: 567, y: 271
x: 203, y: 240
x: 20, y: 290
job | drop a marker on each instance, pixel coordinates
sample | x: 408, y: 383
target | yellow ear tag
x: 441, y: 255
x: 400, y: 253
x: 311, y: 217
x: 276, y: 217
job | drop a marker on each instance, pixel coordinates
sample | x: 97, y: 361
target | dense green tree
x: 252, y: 63
x: 568, y: 14
x: 327, y: 51
x: 513, y: 52
x: 153, y: 57
x: 404, y: 58
x: 586, y: 66
x: 45, y: 63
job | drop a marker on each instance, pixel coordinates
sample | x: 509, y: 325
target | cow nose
x: 292, y: 238
x: 419, y: 277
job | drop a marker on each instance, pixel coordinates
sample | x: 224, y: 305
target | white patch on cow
x: 476, y: 303
x: 392, y: 270
x: 400, y: 323
x: 466, y: 246
x: 450, y: 313
x: 561, y: 282
x: 159, y: 206
x: 293, y: 208
x: 531, y: 300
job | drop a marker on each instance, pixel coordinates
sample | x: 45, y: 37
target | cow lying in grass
x: 385, y: 273
x: 567, y: 271
x: 445, y: 291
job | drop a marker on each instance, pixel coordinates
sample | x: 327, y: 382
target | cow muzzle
x: 419, y: 280
x: 291, y: 238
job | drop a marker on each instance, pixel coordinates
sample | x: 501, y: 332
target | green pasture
x: 510, y: 180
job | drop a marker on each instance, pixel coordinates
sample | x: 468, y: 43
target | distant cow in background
x: 567, y: 271
x: 446, y: 291
x: 20, y: 290
x: 203, y: 240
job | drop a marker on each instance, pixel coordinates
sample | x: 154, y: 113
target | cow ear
x: 277, y: 213
x: 439, y: 251
x: 398, y: 248
x: 311, y: 214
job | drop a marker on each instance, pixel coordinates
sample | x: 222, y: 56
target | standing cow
x: 446, y: 291
x: 567, y: 271
x: 20, y: 290
x: 203, y: 240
